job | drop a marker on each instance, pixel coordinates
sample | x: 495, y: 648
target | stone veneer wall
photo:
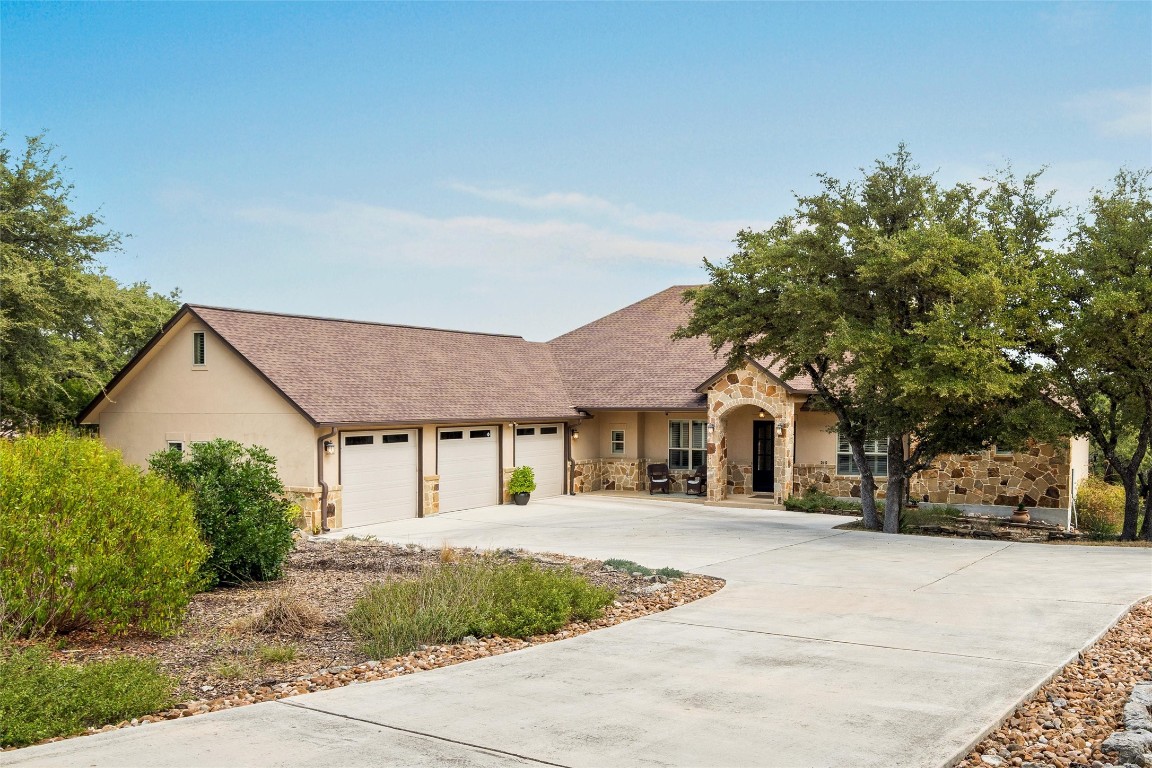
x: 431, y: 504
x: 308, y: 499
x: 739, y: 479
x: 614, y: 474
x: 747, y: 386
x: 1037, y: 476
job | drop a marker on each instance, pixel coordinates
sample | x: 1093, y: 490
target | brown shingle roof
x: 628, y: 360
x: 348, y: 372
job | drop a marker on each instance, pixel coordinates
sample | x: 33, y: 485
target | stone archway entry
x: 750, y: 385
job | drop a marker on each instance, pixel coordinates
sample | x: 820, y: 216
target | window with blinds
x: 687, y: 444
x: 875, y: 453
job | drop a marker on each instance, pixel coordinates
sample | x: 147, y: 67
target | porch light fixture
x: 575, y: 434
x: 761, y: 414
x: 329, y: 447
x: 781, y: 429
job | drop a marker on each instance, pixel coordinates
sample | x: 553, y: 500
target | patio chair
x: 697, y: 482
x: 658, y: 478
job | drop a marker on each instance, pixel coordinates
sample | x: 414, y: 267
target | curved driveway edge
x: 825, y: 648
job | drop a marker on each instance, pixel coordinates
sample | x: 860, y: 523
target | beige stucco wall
x: 815, y: 444
x: 1078, y: 461
x: 167, y: 398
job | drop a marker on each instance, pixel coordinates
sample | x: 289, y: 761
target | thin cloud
x: 1121, y: 113
x: 591, y: 206
x: 353, y: 230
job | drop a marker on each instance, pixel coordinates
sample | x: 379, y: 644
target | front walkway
x: 825, y: 648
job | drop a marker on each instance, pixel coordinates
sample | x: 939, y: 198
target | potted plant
x: 1021, y: 514
x: 521, y: 484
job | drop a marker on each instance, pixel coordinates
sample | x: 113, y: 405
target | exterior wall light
x: 329, y: 447
x: 761, y: 414
x: 575, y: 434
x: 781, y: 429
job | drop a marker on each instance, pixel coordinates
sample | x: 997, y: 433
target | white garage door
x: 468, y: 462
x: 380, y: 474
x: 541, y: 447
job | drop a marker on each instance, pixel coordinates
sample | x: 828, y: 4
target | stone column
x: 782, y: 451
x: 431, y: 495
x: 717, y: 457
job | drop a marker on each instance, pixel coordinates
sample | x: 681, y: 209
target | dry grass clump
x: 285, y: 614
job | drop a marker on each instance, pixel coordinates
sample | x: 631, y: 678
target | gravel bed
x: 215, y: 656
x: 1066, y: 721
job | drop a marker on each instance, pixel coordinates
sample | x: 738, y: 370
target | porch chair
x: 658, y: 478
x: 697, y: 482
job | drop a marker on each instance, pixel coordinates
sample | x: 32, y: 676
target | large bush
x: 240, y: 507
x: 489, y: 597
x: 1100, y: 507
x: 40, y: 698
x: 88, y: 540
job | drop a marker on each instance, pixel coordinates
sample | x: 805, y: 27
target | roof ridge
x: 195, y: 307
x: 670, y: 288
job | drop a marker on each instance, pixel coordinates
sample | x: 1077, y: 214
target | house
x: 375, y: 422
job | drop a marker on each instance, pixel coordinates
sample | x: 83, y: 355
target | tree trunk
x: 867, y: 484
x: 894, y: 493
x: 1146, y: 529
x: 1131, y: 505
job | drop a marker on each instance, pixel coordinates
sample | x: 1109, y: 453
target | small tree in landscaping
x: 240, y: 507
x: 90, y: 540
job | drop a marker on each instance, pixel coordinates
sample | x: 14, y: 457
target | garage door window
x: 393, y: 439
x: 480, y: 433
x: 452, y: 435
x: 549, y: 430
x: 525, y: 431
x: 358, y: 440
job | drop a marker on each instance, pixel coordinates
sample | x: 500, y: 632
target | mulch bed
x: 216, y: 657
x: 1066, y: 721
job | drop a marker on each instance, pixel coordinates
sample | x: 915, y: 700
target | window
x: 198, y: 348
x: 617, y: 441
x: 549, y: 430
x: 480, y: 433
x: 386, y: 439
x: 457, y: 435
x: 525, y: 431
x: 176, y: 445
x: 1003, y: 451
x: 358, y: 440
x: 686, y: 444
x: 875, y: 452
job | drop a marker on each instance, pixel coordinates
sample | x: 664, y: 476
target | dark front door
x: 762, y: 456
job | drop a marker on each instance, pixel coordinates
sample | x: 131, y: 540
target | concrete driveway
x: 825, y: 648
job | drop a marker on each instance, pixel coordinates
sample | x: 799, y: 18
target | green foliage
x: 240, y: 507
x: 928, y: 514
x: 1093, y: 327
x: 1099, y: 507
x: 817, y: 501
x: 275, y: 654
x: 450, y: 601
x: 523, y: 480
x: 91, y: 540
x: 40, y: 698
x: 898, y: 298
x: 66, y: 327
x: 630, y: 566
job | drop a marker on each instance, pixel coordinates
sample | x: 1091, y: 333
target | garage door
x: 380, y: 475
x: 542, y: 447
x: 468, y: 462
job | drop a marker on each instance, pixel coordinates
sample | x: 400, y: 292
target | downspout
x: 320, y: 478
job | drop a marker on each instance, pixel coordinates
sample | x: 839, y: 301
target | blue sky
x: 526, y: 168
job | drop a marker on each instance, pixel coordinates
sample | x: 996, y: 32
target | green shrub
x: 90, y: 541
x: 40, y: 698
x: 630, y: 566
x: 447, y: 602
x: 817, y: 501
x: 1100, y: 507
x: 523, y: 480
x: 240, y: 507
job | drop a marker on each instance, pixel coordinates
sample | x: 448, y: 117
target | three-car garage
x: 381, y: 470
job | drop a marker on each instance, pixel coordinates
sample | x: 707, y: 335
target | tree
x: 66, y: 327
x: 898, y: 299
x: 1092, y: 334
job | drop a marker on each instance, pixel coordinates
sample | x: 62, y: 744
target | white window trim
x: 697, y: 454
x: 613, y: 442
x: 875, y: 449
